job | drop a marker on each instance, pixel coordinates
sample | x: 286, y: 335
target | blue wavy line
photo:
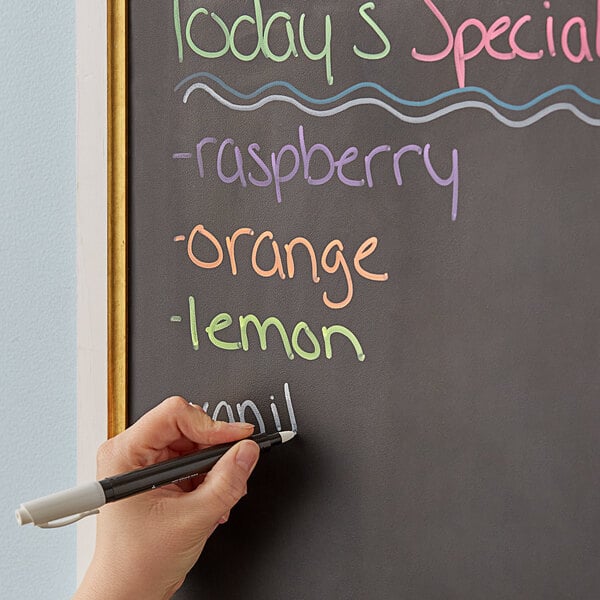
x: 326, y: 112
x: 390, y: 95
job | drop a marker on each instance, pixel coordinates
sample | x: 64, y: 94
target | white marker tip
x: 286, y: 436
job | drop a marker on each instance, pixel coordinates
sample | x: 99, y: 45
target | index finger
x: 173, y: 422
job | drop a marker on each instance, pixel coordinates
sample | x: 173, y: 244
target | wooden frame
x: 117, y: 214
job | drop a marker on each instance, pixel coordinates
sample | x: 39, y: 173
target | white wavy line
x: 560, y: 106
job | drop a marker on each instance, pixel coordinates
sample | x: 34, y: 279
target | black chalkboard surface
x: 378, y: 222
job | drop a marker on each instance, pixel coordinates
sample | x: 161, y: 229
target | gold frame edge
x: 117, y: 215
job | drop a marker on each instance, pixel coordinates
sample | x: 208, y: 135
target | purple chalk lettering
x: 239, y: 172
x: 253, y: 150
x: 349, y: 155
x: 398, y: 155
x: 307, y: 157
x: 276, y: 164
x: 452, y: 179
x: 199, y: 145
x: 369, y: 157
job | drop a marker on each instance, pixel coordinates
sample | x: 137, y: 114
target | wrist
x: 103, y: 582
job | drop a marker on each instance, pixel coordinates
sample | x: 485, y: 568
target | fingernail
x: 247, y: 456
x: 223, y: 520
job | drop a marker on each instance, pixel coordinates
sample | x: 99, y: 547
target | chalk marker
x: 66, y: 507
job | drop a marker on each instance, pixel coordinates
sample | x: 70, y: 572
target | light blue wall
x: 37, y: 289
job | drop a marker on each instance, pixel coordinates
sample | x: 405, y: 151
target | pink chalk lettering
x: 584, y: 49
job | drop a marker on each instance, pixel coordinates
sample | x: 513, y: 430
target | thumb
x: 224, y: 485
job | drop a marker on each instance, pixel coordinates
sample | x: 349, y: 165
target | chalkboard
x: 377, y: 222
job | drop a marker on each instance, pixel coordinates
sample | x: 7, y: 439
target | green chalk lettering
x: 315, y: 352
x: 309, y: 348
x: 261, y: 329
x: 192, y: 44
x: 329, y: 331
x: 193, y: 326
x: 269, y: 35
x: 218, y: 323
x: 325, y: 53
x: 177, y: 23
x: 248, y: 19
x: 384, y: 38
x: 290, y: 35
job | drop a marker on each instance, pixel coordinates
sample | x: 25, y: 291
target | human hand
x: 146, y: 544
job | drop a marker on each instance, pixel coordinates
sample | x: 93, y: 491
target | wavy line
x: 562, y: 106
x: 413, y: 103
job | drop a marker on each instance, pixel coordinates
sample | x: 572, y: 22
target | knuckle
x: 210, y: 431
x: 175, y: 402
x: 105, y: 453
x: 215, y: 426
x: 105, y: 449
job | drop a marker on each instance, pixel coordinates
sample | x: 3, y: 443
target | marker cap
x: 80, y: 499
